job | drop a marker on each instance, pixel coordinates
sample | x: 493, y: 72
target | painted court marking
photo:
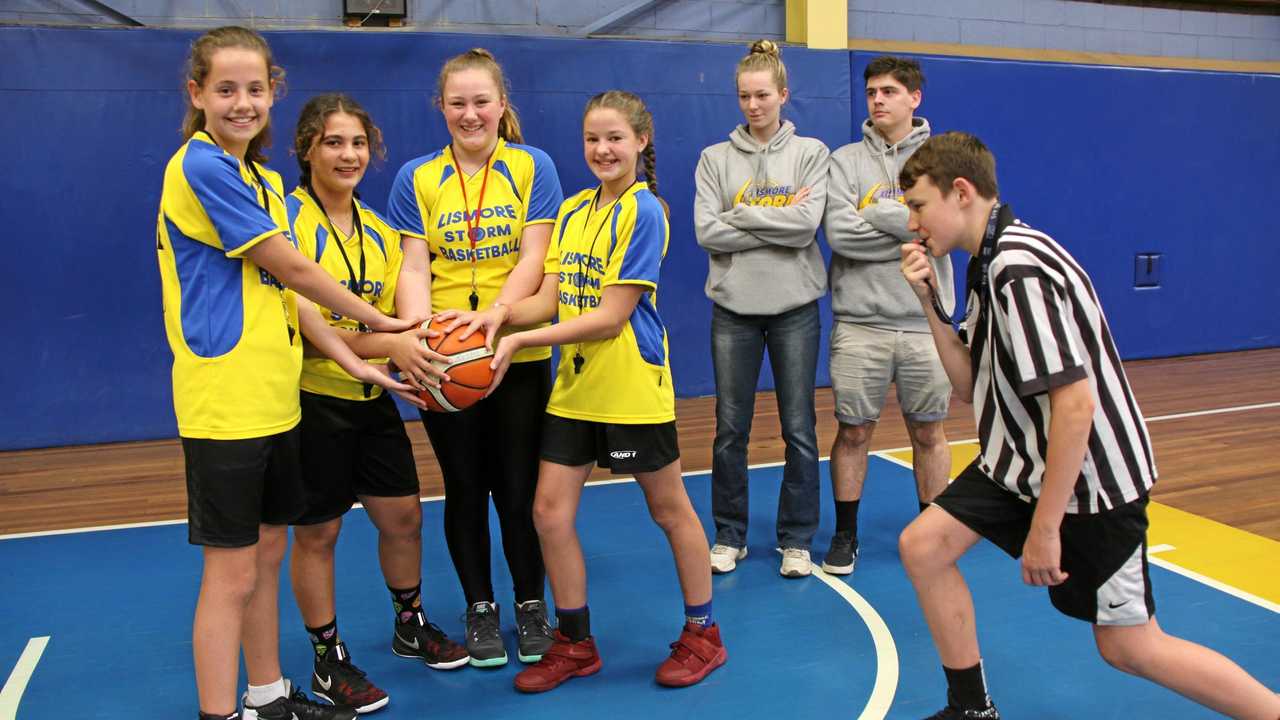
x: 886, y: 685
x: 11, y: 693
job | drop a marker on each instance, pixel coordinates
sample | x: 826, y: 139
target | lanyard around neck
x: 355, y: 285
x: 473, y: 222
x: 583, y: 265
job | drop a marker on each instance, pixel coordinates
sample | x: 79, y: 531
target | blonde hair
x: 631, y: 107
x: 481, y: 59
x: 199, y: 63
x: 764, y: 55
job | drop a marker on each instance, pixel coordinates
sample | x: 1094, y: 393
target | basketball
x: 468, y: 369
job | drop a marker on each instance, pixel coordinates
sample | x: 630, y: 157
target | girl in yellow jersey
x: 475, y: 217
x: 613, y: 403
x: 225, y: 258
x: 354, y: 444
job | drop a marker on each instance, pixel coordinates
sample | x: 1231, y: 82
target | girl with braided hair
x: 613, y: 403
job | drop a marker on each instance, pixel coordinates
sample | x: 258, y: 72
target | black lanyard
x: 578, y: 358
x: 355, y: 285
x: 983, y: 263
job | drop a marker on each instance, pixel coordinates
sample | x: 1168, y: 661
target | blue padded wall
x: 1111, y: 161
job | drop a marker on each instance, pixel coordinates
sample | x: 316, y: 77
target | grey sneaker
x: 724, y: 558
x: 484, y: 638
x: 795, y: 563
x: 842, y: 555
x: 533, y: 632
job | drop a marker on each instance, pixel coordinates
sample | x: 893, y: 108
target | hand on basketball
x: 917, y: 269
x: 414, y: 359
x: 381, y: 375
x: 507, y: 347
x: 490, y: 321
x: 1041, y: 558
x: 801, y: 195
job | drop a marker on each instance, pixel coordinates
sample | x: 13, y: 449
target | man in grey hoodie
x: 756, y: 212
x: 880, y: 334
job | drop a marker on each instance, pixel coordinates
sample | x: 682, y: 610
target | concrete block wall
x: 1038, y: 24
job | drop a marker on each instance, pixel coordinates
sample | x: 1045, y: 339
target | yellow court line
x: 1228, y: 556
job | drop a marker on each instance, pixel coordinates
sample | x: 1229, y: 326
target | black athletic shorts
x: 622, y: 449
x: 1104, y: 554
x: 235, y: 485
x: 352, y: 448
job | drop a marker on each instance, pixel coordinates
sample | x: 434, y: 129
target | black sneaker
x: 427, y: 642
x: 954, y: 712
x: 336, y: 680
x: 842, y: 555
x: 533, y: 632
x: 296, y: 706
x: 484, y: 639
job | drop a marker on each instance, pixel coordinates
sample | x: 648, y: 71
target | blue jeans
x: 738, y: 343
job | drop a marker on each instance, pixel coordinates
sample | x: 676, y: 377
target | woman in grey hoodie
x: 760, y: 198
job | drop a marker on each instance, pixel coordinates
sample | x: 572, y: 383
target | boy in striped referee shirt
x: 1065, y: 463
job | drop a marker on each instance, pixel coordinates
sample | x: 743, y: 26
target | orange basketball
x: 468, y: 370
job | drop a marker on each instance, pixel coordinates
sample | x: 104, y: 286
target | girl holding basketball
x: 613, y: 403
x: 225, y: 257
x: 475, y: 217
x: 354, y: 444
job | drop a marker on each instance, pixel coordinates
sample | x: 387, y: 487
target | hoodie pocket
x: 721, y: 264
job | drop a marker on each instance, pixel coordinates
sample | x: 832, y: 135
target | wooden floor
x: 1223, y: 466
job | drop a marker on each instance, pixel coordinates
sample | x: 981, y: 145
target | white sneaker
x: 724, y: 558
x: 795, y: 563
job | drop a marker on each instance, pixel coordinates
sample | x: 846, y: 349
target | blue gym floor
x: 116, y: 606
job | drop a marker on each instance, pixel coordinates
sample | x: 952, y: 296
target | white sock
x: 260, y: 695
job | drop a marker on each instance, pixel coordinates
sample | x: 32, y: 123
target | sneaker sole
x: 733, y: 564
x: 489, y: 662
x: 450, y: 665
x: 795, y: 573
x: 837, y: 569
x: 528, y: 659
x: 360, y: 710
x: 591, y: 669
x: 716, y: 662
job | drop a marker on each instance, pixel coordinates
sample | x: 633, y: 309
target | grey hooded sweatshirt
x: 865, y: 224
x: 764, y: 259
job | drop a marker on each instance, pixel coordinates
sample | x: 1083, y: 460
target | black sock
x: 968, y: 687
x: 324, y: 638
x: 847, y: 516
x: 574, y: 623
x: 924, y: 505
x: 212, y: 716
x: 406, y: 602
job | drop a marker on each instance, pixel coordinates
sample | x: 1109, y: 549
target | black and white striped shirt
x: 1049, y: 331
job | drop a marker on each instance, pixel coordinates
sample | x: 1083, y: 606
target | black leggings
x: 492, y: 448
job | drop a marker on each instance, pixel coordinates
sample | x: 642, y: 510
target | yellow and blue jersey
x: 625, y: 379
x: 232, y: 326
x: 427, y: 202
x: 382, y: 263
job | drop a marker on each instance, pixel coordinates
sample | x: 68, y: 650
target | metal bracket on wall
x: 1146, y: 270
x: 103, y: 8
x: 619, y: 16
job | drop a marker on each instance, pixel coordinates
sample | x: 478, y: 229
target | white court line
x: 615, y: 481
x: 1215, y: 584
x: 886, y: 685
x: 1202, y: 579
x: 1157, y: 418
x: 11, y: 693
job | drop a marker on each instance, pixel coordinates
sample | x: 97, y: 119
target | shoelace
x: 482, y: 623
x: 533, y: 620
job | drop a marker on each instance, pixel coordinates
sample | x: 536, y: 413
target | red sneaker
x: 693, y: 656
x: 566, y: 659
